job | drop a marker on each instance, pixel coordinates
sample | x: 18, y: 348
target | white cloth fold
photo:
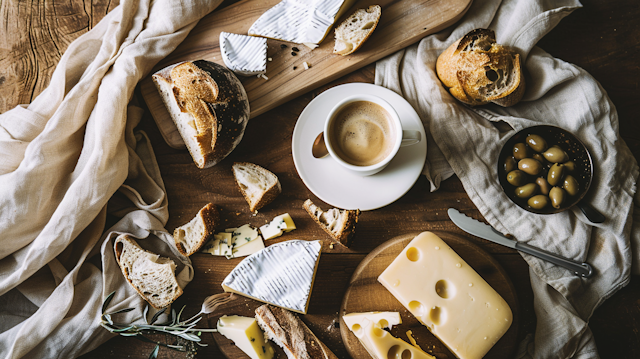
x: 62, y: 158
x: 464, y: 141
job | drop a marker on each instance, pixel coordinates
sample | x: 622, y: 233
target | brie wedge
x: 244, y: 55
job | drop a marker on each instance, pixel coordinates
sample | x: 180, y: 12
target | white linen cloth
x: 463, y: 140
x: 62, y: 158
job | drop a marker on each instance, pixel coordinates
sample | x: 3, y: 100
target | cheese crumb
x: 269, y: 59
x: 310, y: 45
x: 306, y: 65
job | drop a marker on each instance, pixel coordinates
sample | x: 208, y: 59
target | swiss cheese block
x: 246, y: 335
x: 301, y: 21
x: 379, y: 319
x: 242, y: 54
x: 281, y: 274
x: 380, y: 344
x: 448, y: 296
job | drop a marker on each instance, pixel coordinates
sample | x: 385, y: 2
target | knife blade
x: 487, y: 232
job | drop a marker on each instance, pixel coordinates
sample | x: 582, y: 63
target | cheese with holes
x: 300, y: 21
x: 244, y: 55
x: 379, y: 319
x: 380, y: 344
x: 444, y: 293
x: 280, y: 224
x: 281, y: 274
x: 246, y: 335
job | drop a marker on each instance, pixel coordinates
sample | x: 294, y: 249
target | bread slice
x: 258, y: 185
x: 356, y: 29
x: 152, y: 276
x: 208, y: 105
x: 189, y: 238
x: 291, y: 334
x: 477, y: 70
x: 339, y: 224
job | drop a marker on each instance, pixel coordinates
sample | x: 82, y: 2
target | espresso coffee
x: 362, y: 133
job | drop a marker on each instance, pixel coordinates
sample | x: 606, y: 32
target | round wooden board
x: 366, y: 294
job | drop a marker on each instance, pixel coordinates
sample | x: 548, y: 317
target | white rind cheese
x: 300, y: 21
x: 445, y: 294
x: 244, y: 55
x: 281, y: 274
x: 380, y: 344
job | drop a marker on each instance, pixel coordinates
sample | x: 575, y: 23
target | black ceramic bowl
x: 577, y: 152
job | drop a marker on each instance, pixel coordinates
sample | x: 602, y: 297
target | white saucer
x: 335, y: 185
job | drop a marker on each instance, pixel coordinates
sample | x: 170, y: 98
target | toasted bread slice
x: 339, y: 224
x: 356, y: 29
x: 291, y: 334
x: 152, y: 276
x: 258, y: 185
x: 190, y: 237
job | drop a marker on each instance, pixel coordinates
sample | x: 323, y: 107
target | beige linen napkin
x: 463, y: 140
x: 62, y: 158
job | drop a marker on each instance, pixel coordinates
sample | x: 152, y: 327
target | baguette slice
x: 339, y: 224
x: 152, y: 276
x: 258, y: 185
x: 291, y: 334
x: 190, y: 237
x: 356, y: 29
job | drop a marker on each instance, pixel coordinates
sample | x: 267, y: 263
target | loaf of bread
x: 291, y: 334
x: 339, y: 224
x: 152, y: 276
x: 356, y: 29
x: 208, y: 105
x: 258, y: 185
x: 190, y: 237
x: 477, y: 70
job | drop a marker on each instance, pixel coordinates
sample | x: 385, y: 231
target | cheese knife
x: 487, y: 232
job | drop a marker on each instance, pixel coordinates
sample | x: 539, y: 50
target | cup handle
x: 410, y: 137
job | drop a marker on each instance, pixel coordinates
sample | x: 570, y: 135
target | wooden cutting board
x: 403, y: 22
x: 366, y: 294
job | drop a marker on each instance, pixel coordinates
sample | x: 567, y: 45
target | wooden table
x: 603, y: 38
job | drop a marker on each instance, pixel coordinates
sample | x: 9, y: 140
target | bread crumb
x: 331, y: 246
x: 269, y: 59
x: 306, y: 65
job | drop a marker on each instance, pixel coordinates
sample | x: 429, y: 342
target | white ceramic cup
x: 402, y: 137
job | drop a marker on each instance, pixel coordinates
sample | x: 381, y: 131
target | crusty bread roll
x: 152, y: 276
x: 209, y: 106
x: 478, y: 71
x: 258, y: 185
x: 339, y: 224
x: 190, y: 237
x: 356, y: 29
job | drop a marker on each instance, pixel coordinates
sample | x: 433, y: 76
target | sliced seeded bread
x: 291, y: 334
x: 189, y: 238
x: 339, y: 224
x: 356, y: 29
x: 258, y: 185
x: 152, y: 276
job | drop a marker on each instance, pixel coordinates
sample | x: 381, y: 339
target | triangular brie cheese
x: 281, y: 274
x: 244, y: 55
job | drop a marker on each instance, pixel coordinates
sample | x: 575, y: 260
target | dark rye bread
x: 477, y: 70
x: 208, y: 105
x: 339, y: 224
x: 190, y: 237
x: 291, y: 334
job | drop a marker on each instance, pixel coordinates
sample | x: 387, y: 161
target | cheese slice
x: 252, y: 247
x: 379, y: 319
x: 380, y: 344
x: 246, y: 335
x: 242, y: 54
x: 243, y: 235
x: 279, y: 224
x: 300, y: 21
x: 444, y: 293
x: 223, y: 245
x: 281, y: 274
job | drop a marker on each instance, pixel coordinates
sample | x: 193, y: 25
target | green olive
x: 556, y: 195
x: 527, y: 190
x: 537, y: 143
x: 530, y: 166
x: 543, y: 184
x: 555, y: 174
x: 555, y: 154
x: 571, y: 185
x: 516, y: 178
x: 538, y: 202
x: 569, y: 166
x: 520, y: 151
x: 540, y: 158
x: 510, y: 164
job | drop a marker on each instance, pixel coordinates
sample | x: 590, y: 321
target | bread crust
x: 345, y: 234
x: 210, y: 217
x: 376, y: 10
x: 268, y: 196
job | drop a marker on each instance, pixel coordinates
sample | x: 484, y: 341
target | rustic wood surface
x: 602, y: 38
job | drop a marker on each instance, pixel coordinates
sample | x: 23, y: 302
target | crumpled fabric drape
x: 66, y: 160
x: 463, y: 141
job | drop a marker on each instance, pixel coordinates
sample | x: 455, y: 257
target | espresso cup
x: 363, y: 133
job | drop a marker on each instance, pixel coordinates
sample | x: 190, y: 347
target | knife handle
x: 581, y: 269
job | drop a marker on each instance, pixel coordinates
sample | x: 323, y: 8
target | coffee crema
x: 362, y: 133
